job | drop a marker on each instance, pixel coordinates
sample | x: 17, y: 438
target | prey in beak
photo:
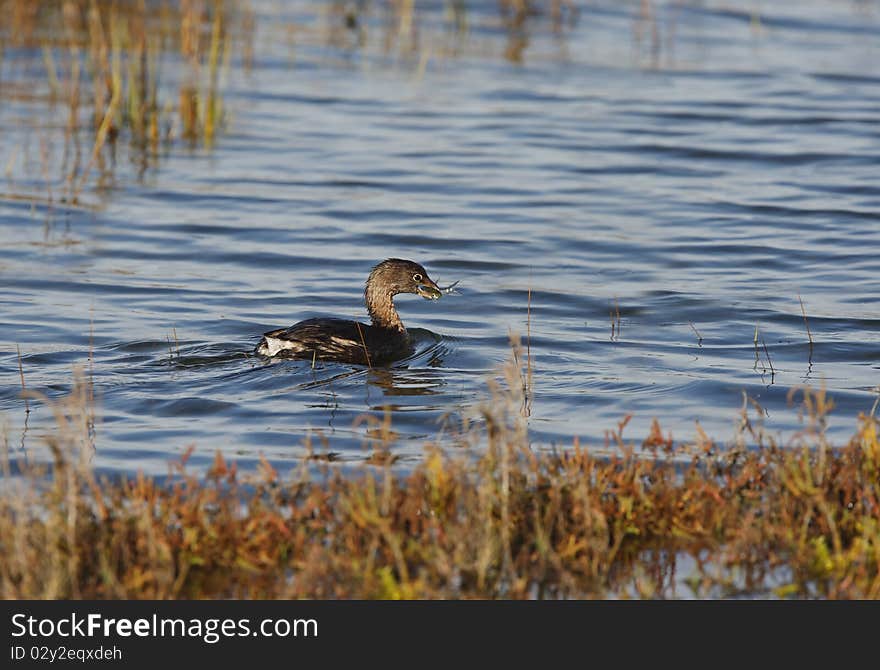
x: 429, y: 290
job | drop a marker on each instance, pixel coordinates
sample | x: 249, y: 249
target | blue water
x: 700, y: 169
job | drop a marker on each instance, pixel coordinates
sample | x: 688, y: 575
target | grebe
x: 346, y: 341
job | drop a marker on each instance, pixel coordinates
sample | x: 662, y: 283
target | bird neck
x: 380, y: 306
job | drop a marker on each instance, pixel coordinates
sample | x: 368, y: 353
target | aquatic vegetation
x: 494, y: 517
x: 149, y: 74
x: 95, y: 82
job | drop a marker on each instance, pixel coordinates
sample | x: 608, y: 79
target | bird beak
x: 429, y: 290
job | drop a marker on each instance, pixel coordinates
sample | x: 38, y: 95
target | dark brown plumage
x: 383, y: 340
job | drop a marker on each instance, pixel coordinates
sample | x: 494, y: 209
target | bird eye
x: 417, y: 277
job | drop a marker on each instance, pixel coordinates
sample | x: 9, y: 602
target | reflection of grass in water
x: 403, y: 28
x: 504, y: 520
x: 150, y: 73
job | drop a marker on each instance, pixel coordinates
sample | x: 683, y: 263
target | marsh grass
x: 104, y: 80
x: 150, y: 74
x: 494, y: 517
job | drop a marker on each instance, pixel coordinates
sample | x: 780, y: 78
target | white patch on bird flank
x: 272, y: 346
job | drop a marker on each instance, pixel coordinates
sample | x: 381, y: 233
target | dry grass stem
x: 770, y: 362
x: 806, y: 322
x: 615, y: 321
x: 364, y: 344
x: 27, y: 404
